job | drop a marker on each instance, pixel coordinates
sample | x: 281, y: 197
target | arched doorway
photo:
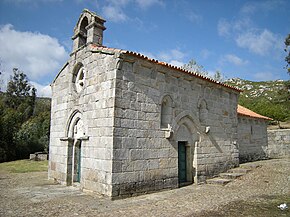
x: 186, y: 139
x: 76, y: 134
x: 77, y: 149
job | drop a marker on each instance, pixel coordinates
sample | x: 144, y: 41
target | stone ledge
x: 218, y: 181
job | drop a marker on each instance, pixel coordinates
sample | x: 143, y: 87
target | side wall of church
x: 252, y: 139
x: 145, y: 154
x: 94, y: 103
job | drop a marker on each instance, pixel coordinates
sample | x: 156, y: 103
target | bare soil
x: 258, y: 193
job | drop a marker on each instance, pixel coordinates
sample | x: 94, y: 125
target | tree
x: 20, y: 94
x: 218, y: 76
x: 33, y: 135
x: 1, y: 80
x: 287, y: 50
x: 21, y: 131
x: 193, y: 66
x: 9, y: 125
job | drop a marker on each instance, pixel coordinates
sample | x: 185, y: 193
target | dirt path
x: 257, y: 193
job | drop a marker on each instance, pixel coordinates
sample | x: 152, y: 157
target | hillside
x: 269, y: 98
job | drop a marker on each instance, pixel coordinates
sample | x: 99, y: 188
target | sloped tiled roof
x: 249, y: 113
x: 139, y: 55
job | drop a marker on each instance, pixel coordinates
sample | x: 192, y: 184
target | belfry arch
x: 83, y: 32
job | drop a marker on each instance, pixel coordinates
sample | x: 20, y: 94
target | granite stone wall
x: 145, y: 153
x: 252, y: 139
x: 279, y: 143
x: 133, y: 114
x: 94, y: 105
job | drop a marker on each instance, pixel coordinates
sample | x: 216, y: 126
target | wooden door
x: 77, y: 162
x: 182, y: 162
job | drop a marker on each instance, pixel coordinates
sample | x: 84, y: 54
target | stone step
x: 240, y: 170
x: 250, y: 166
x: 218, y: 181
x: 230, y: 175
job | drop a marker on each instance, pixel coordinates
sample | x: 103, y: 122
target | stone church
x: 123, y: 124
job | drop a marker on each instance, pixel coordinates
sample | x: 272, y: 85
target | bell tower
x: 88, y: 30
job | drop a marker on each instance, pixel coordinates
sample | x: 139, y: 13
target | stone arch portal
x: 75, y: 134
x: 186, y: 137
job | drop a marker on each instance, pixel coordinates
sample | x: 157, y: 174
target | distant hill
x: 269, y: 98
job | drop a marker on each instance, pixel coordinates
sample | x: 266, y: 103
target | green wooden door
x: 79, y: 165
x: 77, y: 162
x: 181, y: 162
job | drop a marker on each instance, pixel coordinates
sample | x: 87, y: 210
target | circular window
x: 79, y: 74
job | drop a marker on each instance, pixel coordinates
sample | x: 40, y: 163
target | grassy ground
x: 23, y: 166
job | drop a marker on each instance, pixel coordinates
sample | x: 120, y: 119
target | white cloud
x: 177, y: 63
x: 223, y: 27
x: 247, y: 35
x: 233, y: 59
x: 229, y: 28
x: 194, y: 17
x: 114, y: 14
x: 261, y: 42
x: 205, y: 53
x: 42, y: 90
x: 38, y: 56
x: 173, y: 57
x: 144, y: 4
x: 259, y: 6
x: 114, y: 10
x: 31, y: 1
x: 241, y: 24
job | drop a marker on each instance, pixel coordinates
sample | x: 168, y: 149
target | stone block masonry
x: 123, y: 124
x: 94, y: 106
x: 252, y: 139
x: 144, y: 160
x: 279, y: 143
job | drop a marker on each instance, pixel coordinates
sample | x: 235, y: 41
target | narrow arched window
x: 166, y: 111
x: 203, y: 112
x: 83, y: 32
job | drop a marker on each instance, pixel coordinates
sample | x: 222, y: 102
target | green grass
x: 23, y: 166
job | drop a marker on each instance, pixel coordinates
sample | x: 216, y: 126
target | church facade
x: 123, y: 124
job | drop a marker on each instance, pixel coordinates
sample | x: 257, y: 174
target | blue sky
x: 237, y: 37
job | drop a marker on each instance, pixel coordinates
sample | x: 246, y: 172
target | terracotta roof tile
x: 139, y: 55
x: 249, y: 113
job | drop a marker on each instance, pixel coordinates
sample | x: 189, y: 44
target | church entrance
x: 186, y: 139
x: 77, y: 150
x: 76, y: 137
